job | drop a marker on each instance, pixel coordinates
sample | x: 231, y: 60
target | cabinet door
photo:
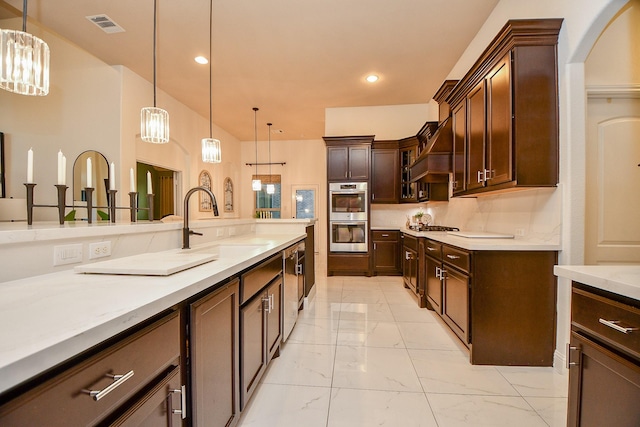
x: 408, y: 190
x: 499, y: 113
x: 604, y: 388
x: 410, y: 268
x: 475, y: 137
x: 252, y: 351
x: 386, y: 256
x: 359, y: 162
x: 215, y: 357
x: 455, y: 303
x: 337, y: 163
x: 274, y: 323
x: 459, y: 147
x: 385, y: 176
x: 160, y: 407
x: 433, y: 284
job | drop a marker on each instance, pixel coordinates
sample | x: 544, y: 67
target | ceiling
x: 290, y: 58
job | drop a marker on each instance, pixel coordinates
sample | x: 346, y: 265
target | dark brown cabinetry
x: 260, y: 322
x: 508, y: 103
x: 385, y: 175
x: 604, y: 359
x: 489, y: 298
x: 410, y: 262
x: 348, y: 158
x: 123, y: 383
x: 386, y: 252
x: 408, y: 154
x: 214, y: 347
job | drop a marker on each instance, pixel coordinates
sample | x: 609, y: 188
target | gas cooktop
x: 423, y: 227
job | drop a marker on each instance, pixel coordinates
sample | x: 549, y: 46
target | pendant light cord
x: 270, y: 179
x: 210, y: 69
x: 24, y: 16
x: 255, y: 133
x: 155, y: 12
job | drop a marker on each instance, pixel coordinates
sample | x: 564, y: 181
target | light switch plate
x: 67, y: 254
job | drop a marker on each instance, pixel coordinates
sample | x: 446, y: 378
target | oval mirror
x: 99, y: 181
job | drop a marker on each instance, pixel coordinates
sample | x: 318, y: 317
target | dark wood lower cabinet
x: 604, y: 359
x: 410, y: 262
x: 127, y: 383
x: 455, y: 303
x: 386, y: 252
x: 214, y: 347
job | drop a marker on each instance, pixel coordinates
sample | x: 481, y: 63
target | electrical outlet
x: 67, y: 254
x: 99, y: 249
x: 520, y: 232
x: 232, y: 231
x: 220, y: 232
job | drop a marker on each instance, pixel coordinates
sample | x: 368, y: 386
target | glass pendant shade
x: 271, y: 189
x: 24, y: 63
x: 211, y: 151
x: 154, y: 125
x: 256, y: 185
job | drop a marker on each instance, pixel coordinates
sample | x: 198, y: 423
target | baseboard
x: 559, y: 362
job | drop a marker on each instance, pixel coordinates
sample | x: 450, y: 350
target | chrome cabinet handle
x: 453, y: 256
x: 118, y: 380
x: 408, y: 255
x: 613, y: 324
x: 569, y: 363
x: 299, y: 269
x: 430, y: 248
x: 385, y: 235
x: 438, y: 273
x: 488, y: 173
x: 266, y: 304
x: 183, y: 402
x: 480, y: 177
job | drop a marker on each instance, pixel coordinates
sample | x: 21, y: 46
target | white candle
x: 59, y: 167
x: 64, y: 171
x: 112, y: 176
x: 89, y: 173
x: 30, y: 166
x: 149, y: 186
x: 132, y: 182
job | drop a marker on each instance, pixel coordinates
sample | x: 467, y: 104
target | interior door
x: 612, y: 232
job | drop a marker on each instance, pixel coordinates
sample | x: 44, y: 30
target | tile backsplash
x: 533, y: 214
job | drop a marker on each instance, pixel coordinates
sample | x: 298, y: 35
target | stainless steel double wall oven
x: 348, y: 217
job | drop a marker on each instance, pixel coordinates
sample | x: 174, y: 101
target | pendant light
x: 211, y: 151
x: 24, y: 61
x: 271, y: 188
x: 256, y: 184
x: 154, y: 121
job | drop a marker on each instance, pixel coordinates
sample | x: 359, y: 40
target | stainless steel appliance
x: 349, y: 236
x: 293, y: 261
x: 348, y: 201
x: 348, y: 217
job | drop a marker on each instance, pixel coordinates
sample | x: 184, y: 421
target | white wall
x: 385, y: 121
x: 80, y: 113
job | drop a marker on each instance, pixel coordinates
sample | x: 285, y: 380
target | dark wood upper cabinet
x: 459, y: 117
x: 510, y: 98
x: 348, y: 158
x: 385, y: 175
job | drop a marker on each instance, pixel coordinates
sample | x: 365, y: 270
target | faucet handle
x: 195, y: 232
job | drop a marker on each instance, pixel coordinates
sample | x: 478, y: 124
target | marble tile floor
x: 363, y: 354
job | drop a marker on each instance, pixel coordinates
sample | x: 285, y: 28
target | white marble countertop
x: 493, y: 244
x: 619, y: 279
x: 50, y: 318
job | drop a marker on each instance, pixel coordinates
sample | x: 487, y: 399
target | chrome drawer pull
x: 613, y: 324
x: 453, y: 256
x: 385, y: 235
x: 118, y: 380
x: 430, y: 248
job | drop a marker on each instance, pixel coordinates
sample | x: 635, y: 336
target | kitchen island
x: 49, y: 319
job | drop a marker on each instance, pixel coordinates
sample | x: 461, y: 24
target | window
x: 268, y: 205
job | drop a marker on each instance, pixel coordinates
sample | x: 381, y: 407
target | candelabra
x: 111, y: 204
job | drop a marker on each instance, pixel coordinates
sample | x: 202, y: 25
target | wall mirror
x: 99, y: 180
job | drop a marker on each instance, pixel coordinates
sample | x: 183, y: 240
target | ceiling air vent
x: 106, y: 24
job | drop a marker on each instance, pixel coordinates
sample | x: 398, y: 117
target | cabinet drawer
x: 456, y: 257
x: 410, y: 242
x: 433, y: 249
x: 384, y: 235
x: 259, y: 277
x: 63, y: 399
x: 607, y: 320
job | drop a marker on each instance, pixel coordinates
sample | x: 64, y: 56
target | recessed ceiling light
x: 201, y: 60
x: 372, y: 78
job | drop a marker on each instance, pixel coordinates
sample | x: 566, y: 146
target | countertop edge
x: 620, y: 279
x: 20, y: 366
